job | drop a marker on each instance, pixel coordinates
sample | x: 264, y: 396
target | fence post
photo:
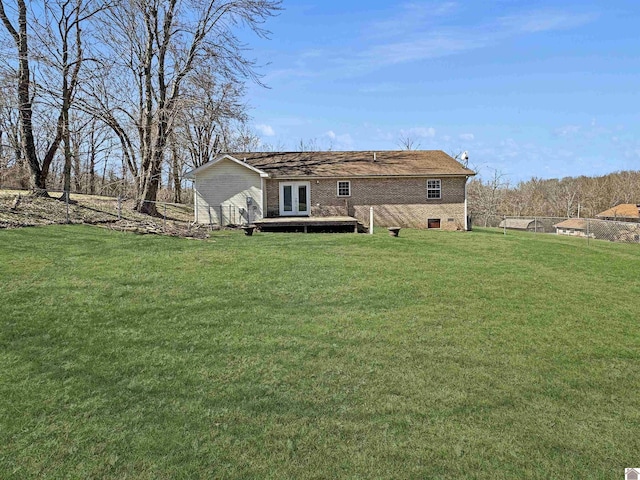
x: 66, y: 201
x: 588, y: 234
x: 504, y: 224
x: 535, y: 225
x: 209, y: 210
x: 164, y: 221
x: 221, y: 216
x: 119, y: 207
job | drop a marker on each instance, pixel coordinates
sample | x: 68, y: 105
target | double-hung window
x: 344, y: 188
x: 434, y: 189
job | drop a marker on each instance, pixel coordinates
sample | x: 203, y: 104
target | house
x: 418, y: 189
x: 625, y: 212
x: 573, y: 226
x: 528, y: 224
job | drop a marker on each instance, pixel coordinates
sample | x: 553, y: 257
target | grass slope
x: 431, y: 355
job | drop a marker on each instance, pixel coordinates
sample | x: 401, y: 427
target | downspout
x: 264, y: 197
x: 195, y: 199
x: 466, y: 217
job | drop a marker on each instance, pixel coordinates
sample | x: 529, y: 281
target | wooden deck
x: 307, y: 224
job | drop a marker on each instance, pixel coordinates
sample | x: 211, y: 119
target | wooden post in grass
x: 164, y: 221
x: 119, y: 207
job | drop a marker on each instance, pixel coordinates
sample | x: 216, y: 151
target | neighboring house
x: 625, y: 212
x: 418, y: 189
x: 528, y: 224
x: 573, y: 226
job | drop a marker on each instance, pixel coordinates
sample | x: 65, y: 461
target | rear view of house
x: 417, y: 189
x: 625, y: 212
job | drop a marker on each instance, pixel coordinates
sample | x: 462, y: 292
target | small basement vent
x: 433, y: 223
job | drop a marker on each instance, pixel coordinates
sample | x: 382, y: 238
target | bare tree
x: 61, y: 43
x: 20, y: 37
x: 212, y: 113
x: 485, y: 197
x: 407, y: 142
x: 160, y: 45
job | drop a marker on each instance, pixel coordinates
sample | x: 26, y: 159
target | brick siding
x: 396, y: 201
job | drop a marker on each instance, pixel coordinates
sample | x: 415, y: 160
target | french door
x: 294, y: 198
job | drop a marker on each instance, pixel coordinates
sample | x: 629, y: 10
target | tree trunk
x: 38, y: 177
x: 175, y: 164
x: 92, y: 162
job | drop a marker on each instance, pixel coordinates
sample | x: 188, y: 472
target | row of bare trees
x: 153, y: 85
x: 567, y: 197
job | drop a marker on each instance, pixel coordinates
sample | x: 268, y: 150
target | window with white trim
x: 344, y: 188
x: 434, y: 189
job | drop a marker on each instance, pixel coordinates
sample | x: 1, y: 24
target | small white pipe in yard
x: 371, y: 220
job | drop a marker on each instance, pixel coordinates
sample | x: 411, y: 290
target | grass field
x: 431, y: 355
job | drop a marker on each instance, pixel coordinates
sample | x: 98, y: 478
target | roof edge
x: 192, y: 174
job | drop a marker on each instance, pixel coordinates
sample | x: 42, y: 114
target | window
x: 344, y: 188
x: 433, y: 223
x: 434, y: 189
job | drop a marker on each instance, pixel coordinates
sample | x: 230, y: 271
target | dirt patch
x: 30, y: 211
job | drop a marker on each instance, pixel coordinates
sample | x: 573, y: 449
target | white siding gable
x: 223, y: 189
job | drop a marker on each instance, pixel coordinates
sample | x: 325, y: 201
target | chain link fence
x: 587, y: 228
x: 29, y: 208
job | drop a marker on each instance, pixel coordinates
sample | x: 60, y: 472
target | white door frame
x: 295, y: 200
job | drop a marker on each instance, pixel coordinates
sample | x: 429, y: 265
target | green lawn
x: 431, y: 355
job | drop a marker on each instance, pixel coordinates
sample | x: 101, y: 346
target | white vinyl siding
x: 228, y: 185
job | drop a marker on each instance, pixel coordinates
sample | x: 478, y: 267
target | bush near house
x: 430, y: 355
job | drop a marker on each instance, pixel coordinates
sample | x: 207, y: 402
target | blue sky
x: 536, y: 88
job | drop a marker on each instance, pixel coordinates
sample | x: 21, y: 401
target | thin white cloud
x: 467, y: 137
x: 413, y: 41
x: 544, y: 20
x: 265, y: 130
x: 410, y: 17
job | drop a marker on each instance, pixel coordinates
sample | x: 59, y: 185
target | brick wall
x: 396, y: 201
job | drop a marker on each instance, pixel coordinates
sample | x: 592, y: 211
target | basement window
x: 344, y: 188
x: 433, y: 223
x: 434, y: 189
